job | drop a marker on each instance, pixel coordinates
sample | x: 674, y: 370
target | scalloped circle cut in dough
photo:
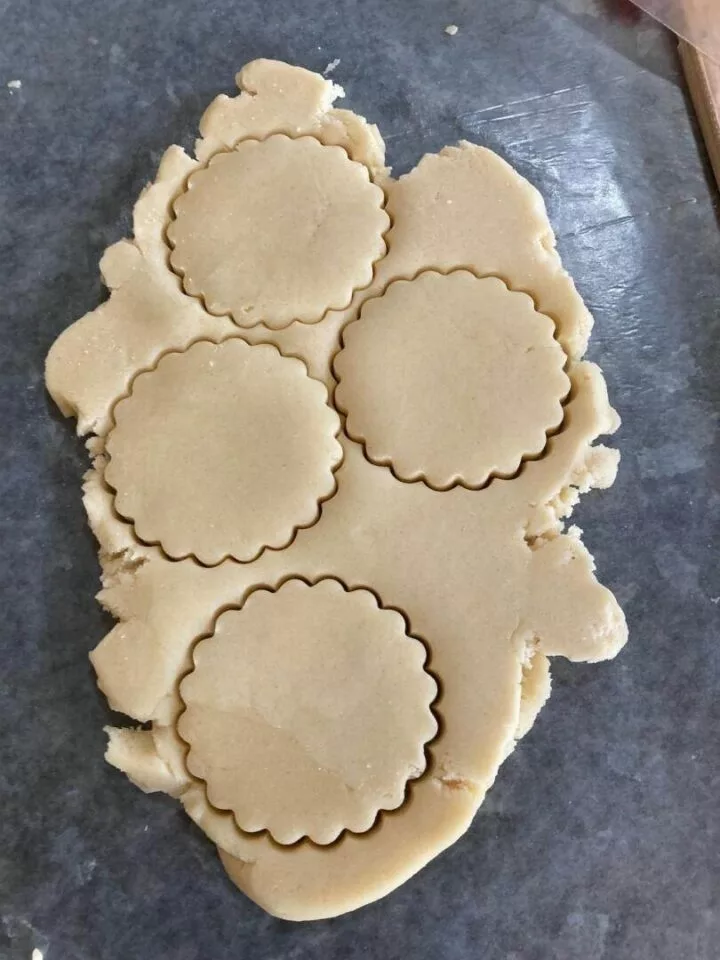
x: 274, y: 678
x: 278, y: 230
x: 222, y: 450
x: 451, y: 379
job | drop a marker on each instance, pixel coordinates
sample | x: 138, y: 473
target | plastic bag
x: 695, y: 20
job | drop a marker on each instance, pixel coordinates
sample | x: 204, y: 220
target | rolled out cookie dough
x: 323, y: 227
x: 458, y: 592
x: 222, y: 451
x: 451, y: 379
x: 264, y: 688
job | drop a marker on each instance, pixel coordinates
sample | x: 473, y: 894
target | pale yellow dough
x: 451, y: 379
x: 482, y: 573
x: 317, y: 208
x: 274, y: 677
x: 222, y: 451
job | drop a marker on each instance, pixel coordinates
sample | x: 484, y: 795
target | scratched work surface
x: 600, y: 838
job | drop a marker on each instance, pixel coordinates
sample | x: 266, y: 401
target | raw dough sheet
x: 338, y: 422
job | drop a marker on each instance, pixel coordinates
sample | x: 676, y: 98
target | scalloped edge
x: 432, y: 706
x: 419, y: 476
x: 180, y: 272
x: 295, y: 528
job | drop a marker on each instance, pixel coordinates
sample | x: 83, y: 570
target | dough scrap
x: 222, y: 451
x: 316, y: 206
x: 274, y: 677
x: 486, y: 577
x: 451, y: 379
x: 278, y: 97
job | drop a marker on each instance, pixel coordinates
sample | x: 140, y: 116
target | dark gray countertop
x: 601, y: 838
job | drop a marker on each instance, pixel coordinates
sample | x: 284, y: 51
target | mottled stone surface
x: 600, y: 838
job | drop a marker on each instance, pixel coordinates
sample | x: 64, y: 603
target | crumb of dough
x: 451, y: 29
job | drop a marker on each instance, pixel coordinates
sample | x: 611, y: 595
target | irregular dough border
x: 161, y: 607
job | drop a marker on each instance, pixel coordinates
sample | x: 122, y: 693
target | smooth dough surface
x: 488, y: 579
x: 274, y: 678
x: 451, y: 378
x: 322, y: 231
x: 221, y: 451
